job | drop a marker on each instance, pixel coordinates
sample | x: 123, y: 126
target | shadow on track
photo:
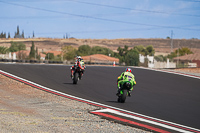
x: 112, y: 101
x: 69, y: 83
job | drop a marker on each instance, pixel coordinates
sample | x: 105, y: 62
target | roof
x: 100, y: 58
x: 23, y: 51
x: 189, y: 57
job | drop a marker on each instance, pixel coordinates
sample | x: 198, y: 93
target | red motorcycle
x: 77, y: 74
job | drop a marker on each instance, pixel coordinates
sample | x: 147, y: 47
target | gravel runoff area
x: 190, y: 71
x: 27, y: 109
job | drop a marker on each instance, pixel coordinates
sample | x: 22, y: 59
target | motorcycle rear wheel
x: 122, y: 97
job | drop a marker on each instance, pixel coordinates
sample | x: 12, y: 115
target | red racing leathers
x: 80, y: 65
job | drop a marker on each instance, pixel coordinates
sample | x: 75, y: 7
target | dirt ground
x: 190, y: 70
x: 26, y: 109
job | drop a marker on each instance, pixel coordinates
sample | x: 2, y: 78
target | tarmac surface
x: 166, y: 96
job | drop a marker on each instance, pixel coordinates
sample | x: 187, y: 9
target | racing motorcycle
x: 124, y: 92
x: 77, y: 74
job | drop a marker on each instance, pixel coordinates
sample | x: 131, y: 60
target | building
x: 152, y: 63
x: 100, y: 58
x: 189, y: 60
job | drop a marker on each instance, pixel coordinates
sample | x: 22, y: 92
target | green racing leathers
x: 126, y: 77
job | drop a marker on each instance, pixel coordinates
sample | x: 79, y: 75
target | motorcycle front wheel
x: 75, y: 80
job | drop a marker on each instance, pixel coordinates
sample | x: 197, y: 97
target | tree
x: 17, y: 46
x: 84, y: 50
x: 3, y: 50
x: 151, y: 50
x: 108, y: 52
x: 18, y: 30
x: 172, y: 55
x: 125, y: 49
x: 121, y: 51
x: 3, y: 35
x: 37, y: 54
x: 139, y: 48
x: 23, y: 34
x: 97, y: 50
x: 160, y: 58
x: 132, y: 58
x: 101, y: 50
x: 69, y: 53
x: 33, y: 34
x: 32, y: 52
x: 21, y: 46
x: 17, y: 34
x: 8, y: 34
x: 179, y: 52
x: 49, y: 56
x: 183, y: 51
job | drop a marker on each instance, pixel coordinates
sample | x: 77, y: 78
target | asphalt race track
x: 166, y: 96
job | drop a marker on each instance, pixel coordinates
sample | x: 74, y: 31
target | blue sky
x: 103, y: 19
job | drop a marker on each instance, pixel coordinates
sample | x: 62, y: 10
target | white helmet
x: 78, y: 57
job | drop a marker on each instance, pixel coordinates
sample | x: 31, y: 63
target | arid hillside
x: 162, y: 46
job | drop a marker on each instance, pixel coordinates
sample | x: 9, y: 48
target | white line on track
x: 143, y: 120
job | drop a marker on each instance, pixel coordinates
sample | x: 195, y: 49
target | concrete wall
x: 8, y: 56
x: 164, y: 64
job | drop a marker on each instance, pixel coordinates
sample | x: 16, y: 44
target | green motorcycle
x: 124, y: 92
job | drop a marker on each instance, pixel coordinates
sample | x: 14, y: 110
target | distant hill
x: 162, y: 46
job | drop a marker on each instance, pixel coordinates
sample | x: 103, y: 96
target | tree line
x: 127, y: 56
x: 178, y: 52
x: 16, y: 35
x: 19, y: 47
x: 14, y: 47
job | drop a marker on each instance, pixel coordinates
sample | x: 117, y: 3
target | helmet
x: 78, y: 58
x: 128, y: 70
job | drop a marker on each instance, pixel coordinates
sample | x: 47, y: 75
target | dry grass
x: 162, y: 46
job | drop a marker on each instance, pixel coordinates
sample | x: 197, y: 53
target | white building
x: 152, y: 63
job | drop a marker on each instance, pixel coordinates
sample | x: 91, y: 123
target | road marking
x: 115, y: 112
x: 130, y: 122
x: 107, y: 108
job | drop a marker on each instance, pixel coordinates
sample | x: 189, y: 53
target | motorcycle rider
x: 79, y: 63
x: 126, y: 76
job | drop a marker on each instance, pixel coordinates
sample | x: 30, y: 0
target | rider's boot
x: 72, y: 76
x: 118, y: 92
x: 129, y: 93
